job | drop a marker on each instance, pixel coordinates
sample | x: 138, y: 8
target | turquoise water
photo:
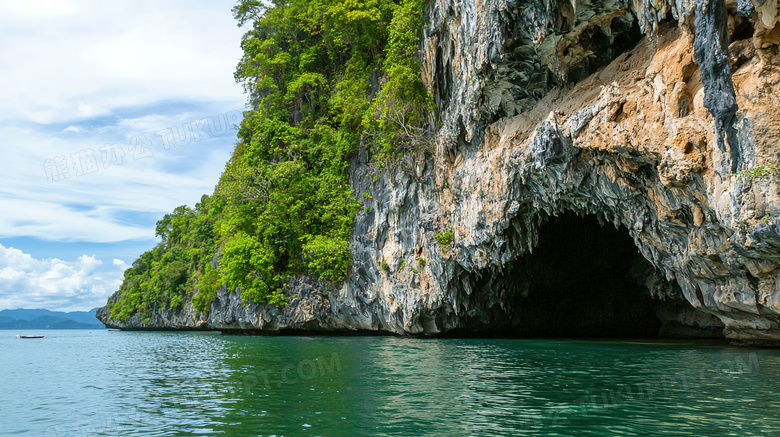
x: 112, y: 383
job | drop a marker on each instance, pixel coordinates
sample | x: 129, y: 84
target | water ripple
x: 108, y: 383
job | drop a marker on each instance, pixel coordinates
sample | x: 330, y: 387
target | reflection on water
x: 105, y: 383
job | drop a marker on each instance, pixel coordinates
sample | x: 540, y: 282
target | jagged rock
x: 638, y: 114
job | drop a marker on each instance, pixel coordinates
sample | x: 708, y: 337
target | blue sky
x: 111, y: 115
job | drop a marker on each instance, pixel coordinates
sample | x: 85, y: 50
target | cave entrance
x: 585, y: 280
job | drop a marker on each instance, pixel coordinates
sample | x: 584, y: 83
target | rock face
x: 657, y: 118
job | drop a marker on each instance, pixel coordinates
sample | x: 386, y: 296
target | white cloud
x: 27, y: 282
x: 110, y: 196
x: 87, y: 58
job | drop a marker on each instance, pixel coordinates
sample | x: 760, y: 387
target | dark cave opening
x: 743, y: 30
x: 585, y: 280
x: 582, y: 280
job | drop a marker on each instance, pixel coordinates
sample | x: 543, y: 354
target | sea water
x: 114, y: 383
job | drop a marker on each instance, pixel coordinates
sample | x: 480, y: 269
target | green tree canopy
x: 322, y: 77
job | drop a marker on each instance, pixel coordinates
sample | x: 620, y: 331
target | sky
x: 111, y: 115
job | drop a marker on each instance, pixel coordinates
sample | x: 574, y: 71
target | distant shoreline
x: 45, y: 319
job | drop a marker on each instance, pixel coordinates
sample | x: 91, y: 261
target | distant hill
x: 45, y: 319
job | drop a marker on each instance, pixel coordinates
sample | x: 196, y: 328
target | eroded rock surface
x: 638, y: 114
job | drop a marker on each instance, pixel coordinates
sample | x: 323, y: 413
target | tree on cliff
x: 322, y: 77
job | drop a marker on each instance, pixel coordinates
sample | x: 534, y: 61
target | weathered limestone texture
x: 640, y: 114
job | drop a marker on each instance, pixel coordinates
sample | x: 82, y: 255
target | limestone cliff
x: 661, y: 119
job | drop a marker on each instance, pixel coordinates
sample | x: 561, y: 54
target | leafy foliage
x: 308, y: 68
x: 445, y: 238
x: 208, y: 285
x: 759, y: 173
x: 164, y: 275
x: 401, y: 118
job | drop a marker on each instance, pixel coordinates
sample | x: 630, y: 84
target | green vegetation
x: 421, y: 261
x: 760, y: 173
x: 322, y: 77
x: 400, y: 118
x: 444, y: 239
x: 384, y: 266
x: 171, y: 270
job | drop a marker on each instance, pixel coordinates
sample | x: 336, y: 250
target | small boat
x: 30, y: 336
